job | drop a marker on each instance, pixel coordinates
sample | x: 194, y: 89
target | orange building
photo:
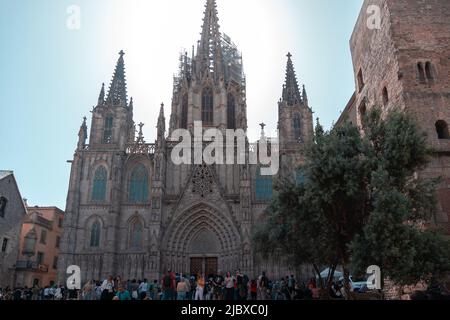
x: 39, y: 247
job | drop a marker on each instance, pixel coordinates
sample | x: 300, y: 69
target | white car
x: 355, y: 284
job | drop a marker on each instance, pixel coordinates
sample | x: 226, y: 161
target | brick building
x: 405, y: 64
x: 37, y: 265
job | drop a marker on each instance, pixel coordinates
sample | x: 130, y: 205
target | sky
x: 52, y: 69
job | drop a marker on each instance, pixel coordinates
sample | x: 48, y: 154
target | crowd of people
x: 175, y: 286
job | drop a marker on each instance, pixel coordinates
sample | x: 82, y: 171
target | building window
x: 360, y: 80
x: 231, y: 112
x: 429, y: 71
x: 139, y: 185
x: 264, y: 186
x: 208, y: 107
x: 95, y: 235
x: 40, y: 258
x: 4, y: 245
x: 362, y: 110
x: 107, y: 133
x: 43, y: 237
x: 55, y: 262
x: 184, y: 112
x: 442, y: 130
x: 136, y: 231
x: 60, y: 222
x: 3, y: 202
x: 385, y: 96
x: 58, y: 240
x: 99, y: 187
x: 421, y: 72
x: 297, y: 127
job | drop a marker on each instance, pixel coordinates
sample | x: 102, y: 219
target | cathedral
x: 131, y: 211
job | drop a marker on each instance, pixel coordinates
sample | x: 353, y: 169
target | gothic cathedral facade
x: 131, y: 211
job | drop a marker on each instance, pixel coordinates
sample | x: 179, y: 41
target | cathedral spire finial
x: 304, y: 95
x: 117, y: 94
x: 101, y: 96
x: 209, y: 51
x: 291, y: 90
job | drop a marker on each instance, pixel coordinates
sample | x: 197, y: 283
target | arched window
x: 429, y: 70
x: 231, y: 112
x: 363, y: 109
x: 207, y: 106
x: 385, y: 96
x: 297, y: 127
x: 136, y: 231
x: 421, y: 72
x: 95, y: 234
x: 139, y: 185
x: 442, y: 130
x: 99, y: 187
x: 3, y: 202
x: 264, y: 186
x: 360, y: 80
x: 108, y: 130
x: 184, y: 112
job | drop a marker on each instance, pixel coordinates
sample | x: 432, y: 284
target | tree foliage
x: 362, y: 203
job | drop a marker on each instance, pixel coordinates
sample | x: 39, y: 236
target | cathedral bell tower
x: 295, y: 120
x: 112, y: 119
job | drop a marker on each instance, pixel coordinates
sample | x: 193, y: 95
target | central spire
x: 209, y: 52
x: 118, y: 90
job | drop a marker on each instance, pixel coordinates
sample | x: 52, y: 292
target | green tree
x: 361, y: 203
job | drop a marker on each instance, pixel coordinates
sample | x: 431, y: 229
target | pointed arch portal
x: 202, y: 240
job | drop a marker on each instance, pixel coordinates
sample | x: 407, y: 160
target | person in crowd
x: 87, y: 291
x: 200, y: 288
x: 108, y: 289
x: 253, y: 288
x: 168, y: 286
x: 182, y: 290
x: 122, y: 294
x: 143, y: 288
x: 263, y: 285
x: 229, y: 287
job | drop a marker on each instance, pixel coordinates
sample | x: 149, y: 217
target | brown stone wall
x: 412, y: 32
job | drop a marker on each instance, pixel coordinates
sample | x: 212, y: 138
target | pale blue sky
x: 51, y: 76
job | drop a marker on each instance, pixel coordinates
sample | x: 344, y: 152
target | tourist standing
x: 168, y: 286
x: 108, y: 289
x: 229, y: 287
x: 182, y: 290
x: 200, y: 288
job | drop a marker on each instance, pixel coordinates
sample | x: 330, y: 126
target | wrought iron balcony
x: 31, y: 266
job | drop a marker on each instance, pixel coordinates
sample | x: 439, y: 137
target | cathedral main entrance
x: 208, y: 266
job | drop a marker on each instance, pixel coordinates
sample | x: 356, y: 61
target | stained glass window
x: 136, y: 231
x: 207, y: 107
x: 107, y: 133
x: 264, y: 186
x: 99, y: 187
x: 139, y: 185
x: 95, y: 235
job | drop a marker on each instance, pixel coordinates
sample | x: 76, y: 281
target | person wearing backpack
x: 168, y: 286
